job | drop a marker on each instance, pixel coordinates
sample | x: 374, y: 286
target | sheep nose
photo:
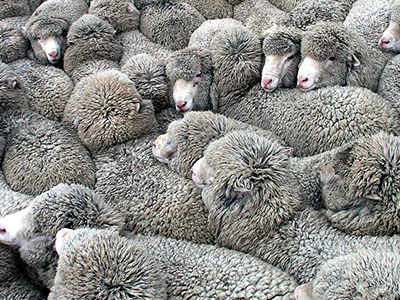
x: 302, y: 81
x: 181, y: 104
x: 266, y: 82
x: 53, y: 54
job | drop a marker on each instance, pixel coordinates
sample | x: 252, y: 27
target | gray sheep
x: 169, y: 23
x: 168, y: 269
x: 48, y: 88
x: 334, y: 55
x: 281, y: 49
x: 13, y: 43
x: 41, y: 153
x: 391, y: 36
x: 134, y: 42
x: 106, y: 109
x: 360, y: 184
x: 152, y: 198
x: 121, y: 14
x: 389, y: 84
x: 148, y: 74
x: 258, y: 15
x: 254, y: 207
x: 212, y: 9
x: 189, y: 72
x: 48, y: 26
x: 361, y: 275
x: 90, y: 39
x: 14, y: 8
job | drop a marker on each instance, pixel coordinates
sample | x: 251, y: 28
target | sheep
x: 106, y: 110
x: 90, y: 67
x: 15, y: 282
x: 182, y: 269
x: 334, y: 55
x: 189, y: 72
x: 281, y: 49
x: 47, y: 28
x: 90, y: 39
x: 211, y: 9
x: 202, y: 36
x: 13, y: 44
x: 135, y: 274
x: 47, y: 88
x: 41, y: 153
x: 121, y: 14
x: 169, y: 23
x: 18, y: 22
x: 389, y: 83
x: 14, y: 8
x: 287, y: 5
x: 255, y: 206
x: 148, y: 74
x: 360, y: 184
x: 361, y: 275
x: 390, y: 38
x: 12, y: 95
x: 311, y: 11
x: 134, y: 42
x: 258, y: 15
x: 153, y: 198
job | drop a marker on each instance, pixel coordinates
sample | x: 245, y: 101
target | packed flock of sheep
x: 213, y: 149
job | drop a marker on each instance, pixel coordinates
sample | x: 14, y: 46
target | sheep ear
x: 237, y: 194
x: 288, y: 151
x: 355, y: 61
x: 304, y: 292
x: 14, y: 83
x: 137, y: 107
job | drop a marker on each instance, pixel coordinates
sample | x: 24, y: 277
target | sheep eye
x: 290, y: 57
x: 198, y: 74
x: 331, y: 58
x: 40, y: 40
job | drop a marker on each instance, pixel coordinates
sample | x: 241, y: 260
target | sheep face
x: 51, y: 46
x: 328, y: 56
x: 390, y: 39
x: 281, y: 49
x: 134, y: 275
x: 189, y: 72
x: 68, y: 206
x: 251, y: 186
x: 163, y: 148
x: 360, y: 187
x: 363, y: 275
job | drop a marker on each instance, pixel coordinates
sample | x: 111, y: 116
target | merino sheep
x: 334, y: 55
x: 181, y: 269
x: 311, y: 11
x: 12, y: 95
x: 134, y: 42
x: 148, y: 74
x: 106, y: 110
x: 169, y: 23
x: 17, y: 22
x: 389, y: 84
x: 362, y: 275
x: 13, y: 44
x: 203, y: 35
x: 48, y: 26
x: 360, y: 186
x: 15, y: 282
x: 153, y: 198
x: 47, y: 88
x: 189, y: 72
x: 212, y: 9
x: 390, y: 39
x: 89, y: 39
x: 41, y: 153
x: 14, y: 8
x: 121, y: 14
x: 281, y: 48
x: 135, y: 274
x: 254, y: 206
x: 258, y: 15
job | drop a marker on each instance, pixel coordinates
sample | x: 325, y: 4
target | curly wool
x: 41, y: 153
x: 14, y: 8
x: 13, y: 44
x: 12, y: 95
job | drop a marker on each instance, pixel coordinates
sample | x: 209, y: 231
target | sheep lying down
x: 254, y: 206
x: 159, y: 268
